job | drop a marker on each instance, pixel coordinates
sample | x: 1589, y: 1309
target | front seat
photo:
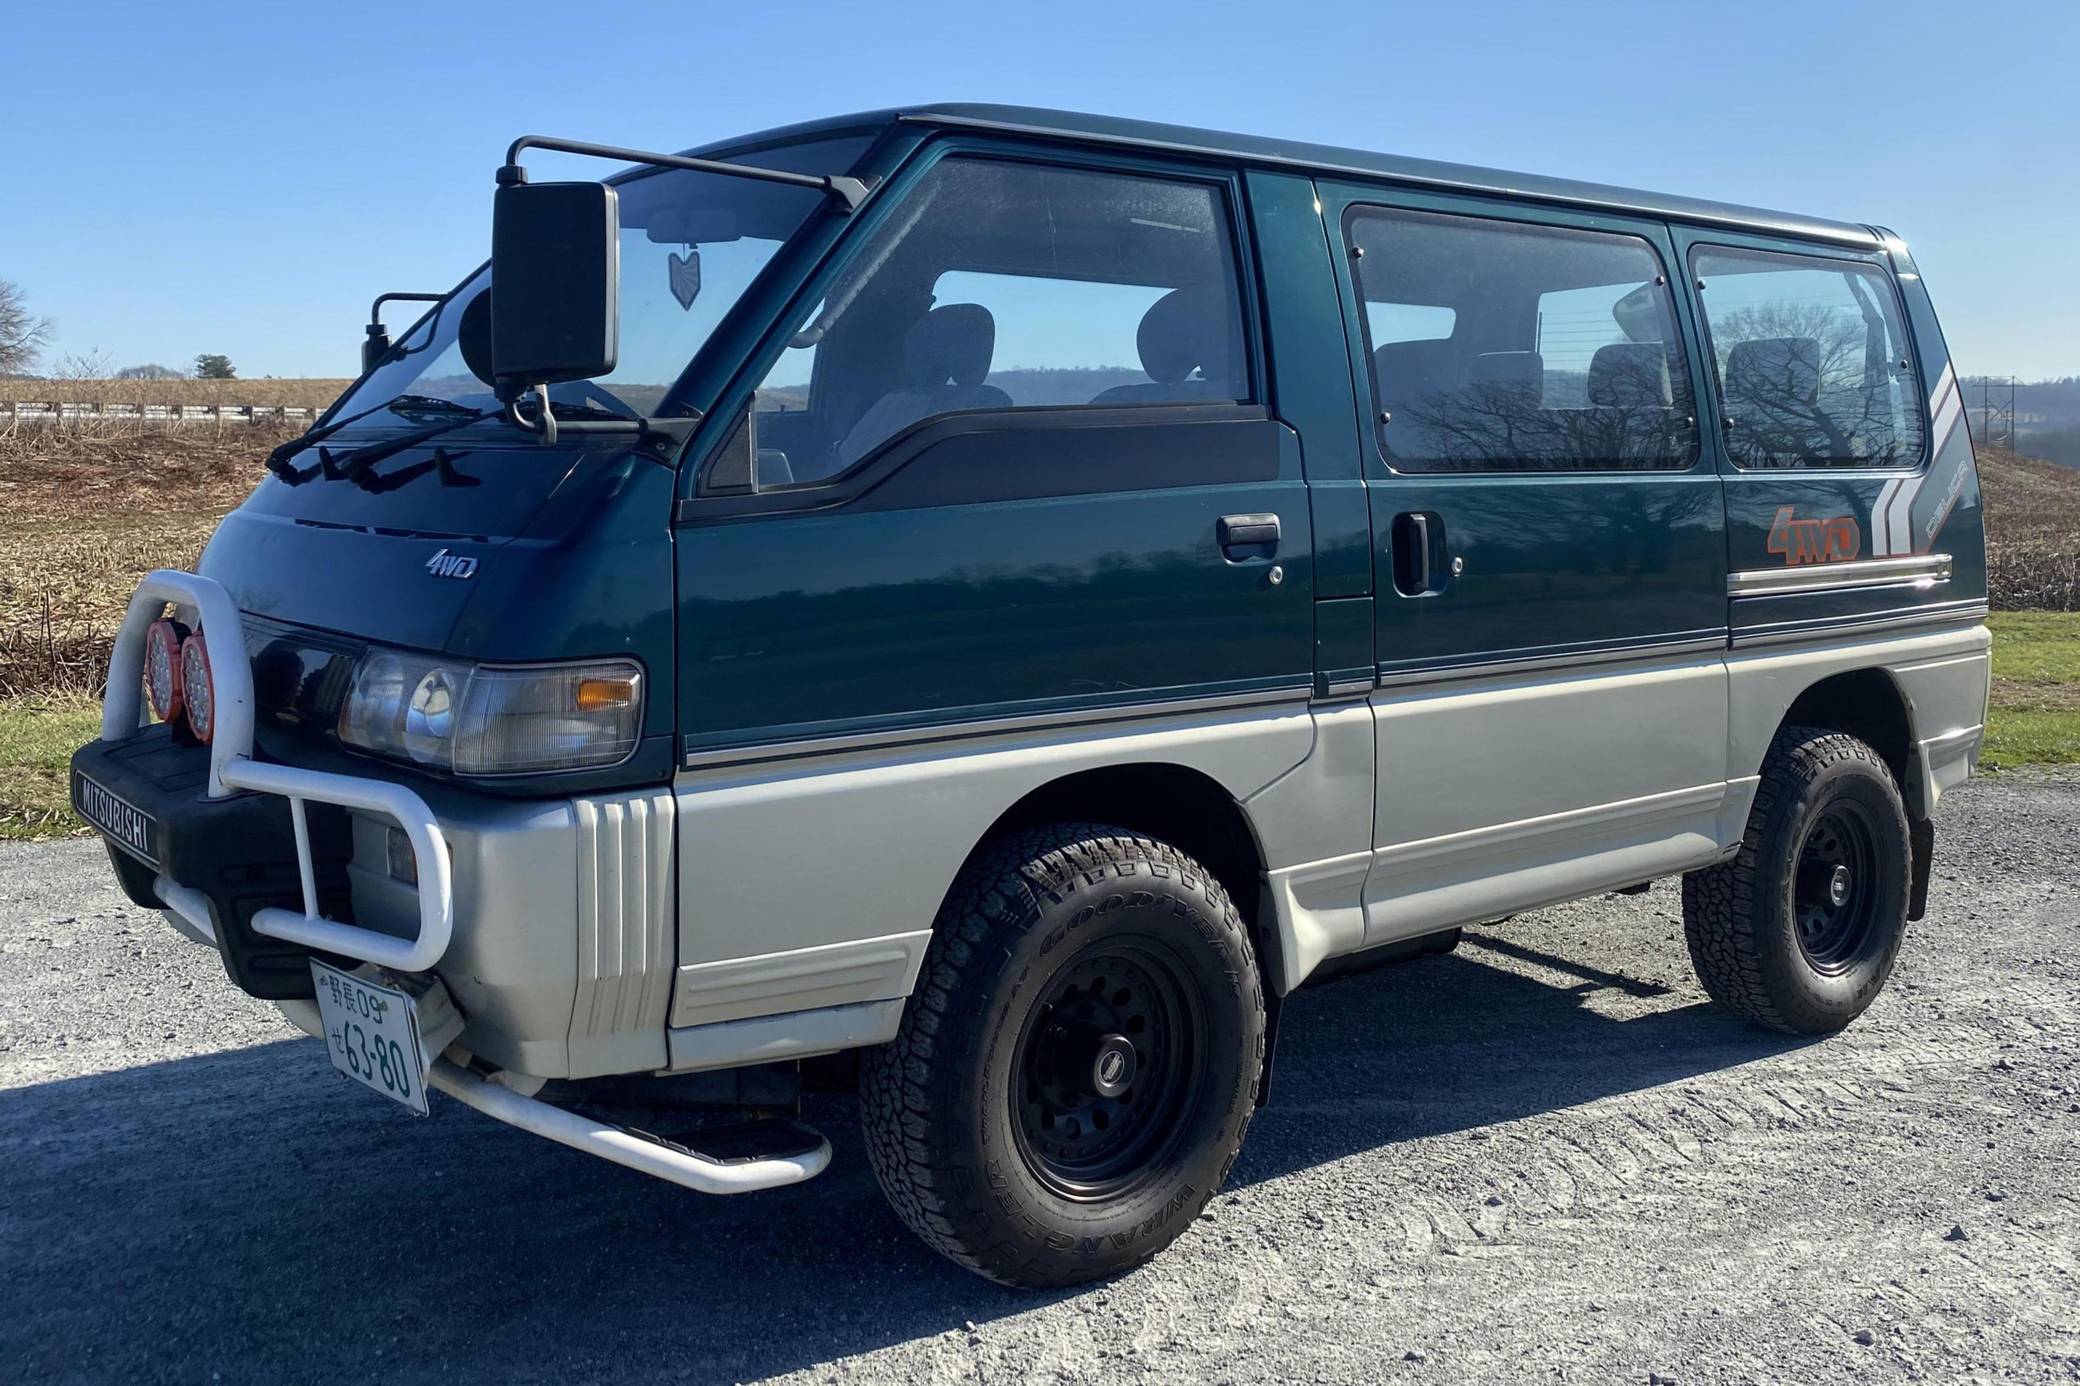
x: 946, y: 357
x: 1183, y: 331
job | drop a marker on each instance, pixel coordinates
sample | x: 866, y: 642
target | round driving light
x: 162, y: 668
x: 198, y: 692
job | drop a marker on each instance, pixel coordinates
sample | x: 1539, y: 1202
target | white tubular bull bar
x: 232, y: 769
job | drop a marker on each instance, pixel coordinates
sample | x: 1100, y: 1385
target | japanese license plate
x: 372, y: 1035
x: 121, y: 820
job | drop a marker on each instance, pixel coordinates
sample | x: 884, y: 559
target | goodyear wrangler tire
x: 1798, y: 932
x: 1075, y: 1073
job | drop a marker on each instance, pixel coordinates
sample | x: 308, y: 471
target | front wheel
x: 1074, y: 1075
x: 1798, y: 932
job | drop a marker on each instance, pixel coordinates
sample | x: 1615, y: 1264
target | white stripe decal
x: 1881, y: 528
x: 1899, y: 514
x: 1948, y: 412
x: 1892, y: 518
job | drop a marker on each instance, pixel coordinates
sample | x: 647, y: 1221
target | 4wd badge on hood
x: 451, y: 565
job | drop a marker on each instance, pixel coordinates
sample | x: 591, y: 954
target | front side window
x: 1499, y: 346
x: 1812, y: 361
x: 691, y: 244
x: 1003, y: 285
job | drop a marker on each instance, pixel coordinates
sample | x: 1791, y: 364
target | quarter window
x: 1002, y: 285
x: 1811, y: 359
x: 1498, y: 346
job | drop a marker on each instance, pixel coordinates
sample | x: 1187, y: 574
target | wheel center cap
x: 1838, y: 885
x: 1113, y: 1068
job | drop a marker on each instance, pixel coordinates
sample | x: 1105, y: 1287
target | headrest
x: 1412, y: 370
x: 473, y: 335
x: 1184, y: 329
x: 1521, y: 368
x: 1781, y: 370
x: 954, y: 343
x: 1630, y: 375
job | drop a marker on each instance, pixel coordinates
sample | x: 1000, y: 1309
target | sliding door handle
x: 1417, y: 545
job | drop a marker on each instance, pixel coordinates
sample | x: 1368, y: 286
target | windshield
x: 691, y: 244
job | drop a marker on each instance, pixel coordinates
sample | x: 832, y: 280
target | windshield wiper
x: 359, y: 461
x: 427, y: 404
x: 278, y: 460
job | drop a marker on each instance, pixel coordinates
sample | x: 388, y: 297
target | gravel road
x: 1544, y: 1157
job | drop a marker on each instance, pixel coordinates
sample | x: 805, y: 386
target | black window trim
x: 1526, y: 217
x: 902, y: 448
x: 1876, y: 260
x: 1223, y: 178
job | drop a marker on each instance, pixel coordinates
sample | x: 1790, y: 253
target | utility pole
x: 1997, y: 412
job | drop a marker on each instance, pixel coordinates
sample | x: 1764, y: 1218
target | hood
x: 407, y: 555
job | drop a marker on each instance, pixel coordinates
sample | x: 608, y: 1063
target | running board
x: 647, y: 1154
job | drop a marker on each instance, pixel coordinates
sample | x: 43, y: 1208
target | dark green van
x: 975, y: 605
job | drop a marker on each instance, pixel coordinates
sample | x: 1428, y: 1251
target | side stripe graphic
x: 1892, y: 516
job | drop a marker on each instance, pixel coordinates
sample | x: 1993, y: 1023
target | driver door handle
x: 1248, y: 532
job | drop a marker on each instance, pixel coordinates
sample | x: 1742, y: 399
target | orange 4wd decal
x: 1836, y: 539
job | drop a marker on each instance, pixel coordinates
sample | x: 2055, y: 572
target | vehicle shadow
x: 246, y: 1214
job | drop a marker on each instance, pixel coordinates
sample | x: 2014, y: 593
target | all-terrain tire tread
x: 1721, y: 903
x: 914, y: 1150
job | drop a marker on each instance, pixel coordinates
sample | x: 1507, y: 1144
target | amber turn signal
x: 605, y: 694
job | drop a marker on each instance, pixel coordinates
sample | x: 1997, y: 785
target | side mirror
x: 376, y: 345
x: 556, y: 262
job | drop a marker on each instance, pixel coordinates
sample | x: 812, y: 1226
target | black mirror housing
x: 556, y: 259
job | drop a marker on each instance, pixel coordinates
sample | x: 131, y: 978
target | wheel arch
x: 1183, y: 806
x: 1193, y: 812
x: 1870, y: 705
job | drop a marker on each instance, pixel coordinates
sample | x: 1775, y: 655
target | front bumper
x: 550, y: 921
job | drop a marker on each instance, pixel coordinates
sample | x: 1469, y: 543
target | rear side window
x: 1812, y: 361
x: 1004, y: 285
x: 1499, y: 346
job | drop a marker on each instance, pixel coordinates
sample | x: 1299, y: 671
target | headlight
x: 473, y: 719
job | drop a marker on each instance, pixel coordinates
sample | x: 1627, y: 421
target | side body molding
x: 873, y: 837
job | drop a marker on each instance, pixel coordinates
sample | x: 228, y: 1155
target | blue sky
x: 243, y: 178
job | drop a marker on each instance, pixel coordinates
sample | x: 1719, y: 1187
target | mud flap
x: 1921, y: 835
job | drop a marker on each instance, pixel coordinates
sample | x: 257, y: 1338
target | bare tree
x: 22, y: 333
x: 92, y: 364
x: 1814, y: 383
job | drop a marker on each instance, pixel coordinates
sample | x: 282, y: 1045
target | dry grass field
x: 306, y: 394
x: 84, y: 514
x: 82, y: 518
x: 2032, y: 533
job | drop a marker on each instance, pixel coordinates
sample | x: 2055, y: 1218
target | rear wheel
x: 1799, y: 931
x: 1074, y: 1076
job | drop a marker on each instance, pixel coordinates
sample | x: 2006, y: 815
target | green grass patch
x: 2035, y: 718
x: 37, y: 738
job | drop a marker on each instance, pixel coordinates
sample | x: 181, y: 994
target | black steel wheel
x: 1834, y: 893
x: 1799, y: 931
x: 1073, y: 1078
x: 1105, y: 1065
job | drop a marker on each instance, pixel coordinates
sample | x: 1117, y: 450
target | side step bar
x: 674, y: 1163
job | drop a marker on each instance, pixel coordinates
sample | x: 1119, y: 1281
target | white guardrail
x: 232, y: 768
x: 55, y: 411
